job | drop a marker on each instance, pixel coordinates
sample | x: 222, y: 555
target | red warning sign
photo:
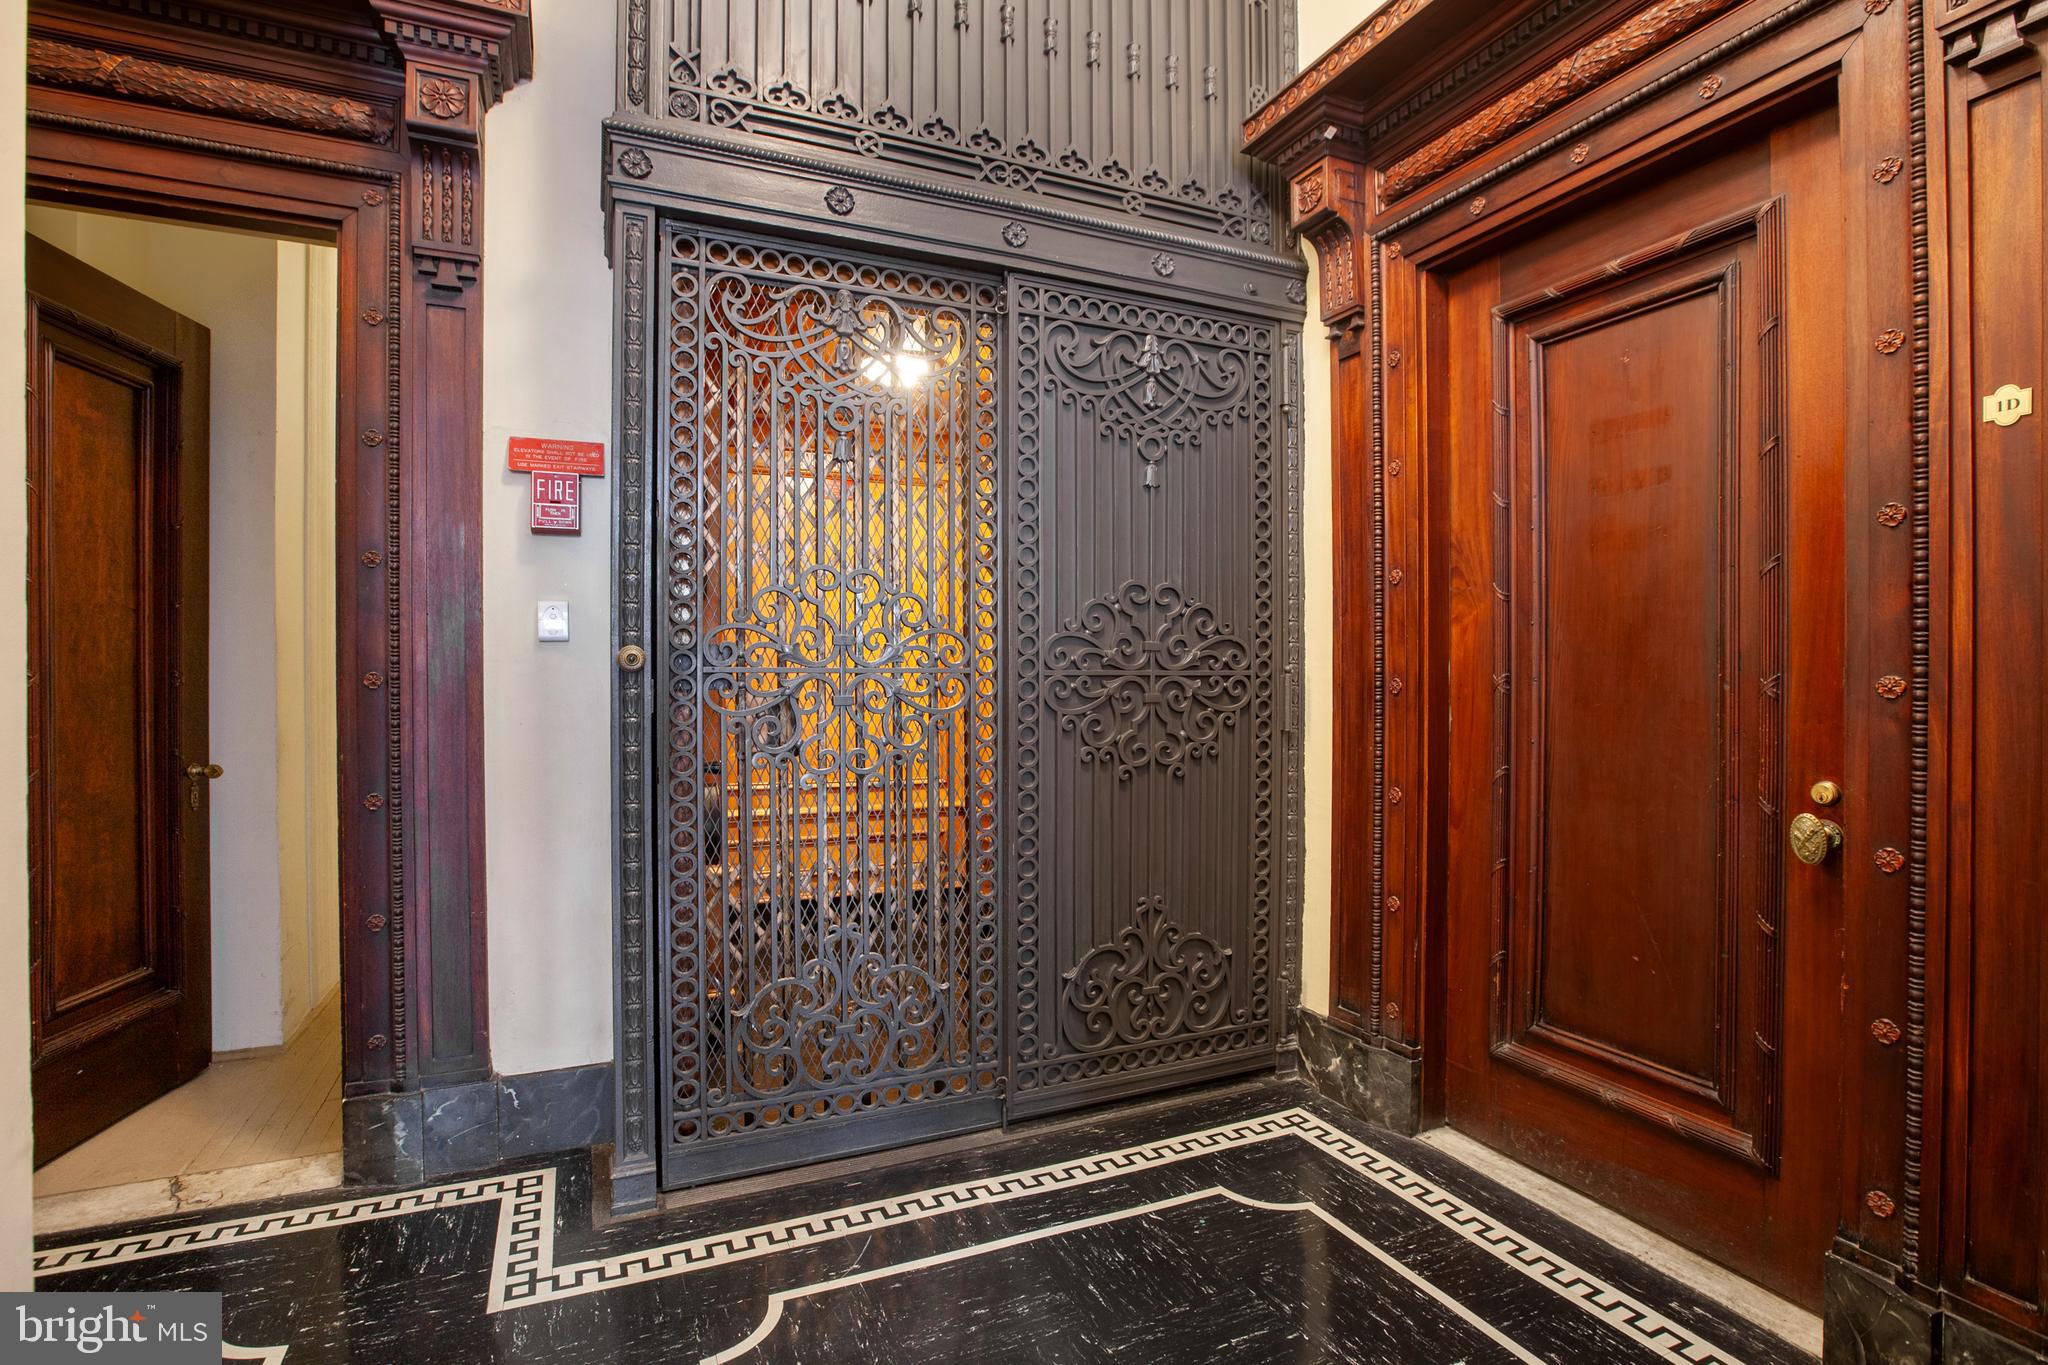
x: 540, y: 454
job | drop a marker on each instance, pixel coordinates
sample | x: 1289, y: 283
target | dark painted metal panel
x: 1147, y: 643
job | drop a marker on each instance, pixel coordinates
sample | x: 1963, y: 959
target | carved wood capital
x: 1992, y: 36
x: 1326, y: 204
x: 489, y: 41
x: 460, y: 58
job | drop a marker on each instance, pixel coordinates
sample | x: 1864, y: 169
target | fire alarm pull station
x: 558, y: 469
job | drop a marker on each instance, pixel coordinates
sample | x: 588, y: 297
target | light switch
x: 554, y: 620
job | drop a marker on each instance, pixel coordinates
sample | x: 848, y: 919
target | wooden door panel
x: 1646, y: 628
x: 103, y: 912
x: 1641, y: 612
x: 121, y: 1003
x: 1998, y: 1145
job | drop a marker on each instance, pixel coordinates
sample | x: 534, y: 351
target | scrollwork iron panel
x: 1147, y: 645
x: 831, y: 628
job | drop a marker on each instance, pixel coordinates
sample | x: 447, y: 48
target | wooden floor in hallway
x: 240, y: 1112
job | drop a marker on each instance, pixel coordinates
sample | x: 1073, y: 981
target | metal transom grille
x: 831, y: 598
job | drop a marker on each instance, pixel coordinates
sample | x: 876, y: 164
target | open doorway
x: 185, y: 887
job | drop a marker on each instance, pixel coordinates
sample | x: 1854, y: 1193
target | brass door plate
x: 2008, y: 404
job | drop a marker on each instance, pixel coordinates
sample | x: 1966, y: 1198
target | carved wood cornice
x: 1647, y: 32
x: 1989, y: 37
x: 70, y: 66
x: 298, y: 35
x: 1368, y: 35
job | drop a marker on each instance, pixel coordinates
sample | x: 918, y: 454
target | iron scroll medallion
x: 1147, y: 678
x: 1156, y: 392
x: 1157, y: 980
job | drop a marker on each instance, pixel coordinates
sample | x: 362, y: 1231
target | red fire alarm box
x: 557, y: 503
x: 558, y: 469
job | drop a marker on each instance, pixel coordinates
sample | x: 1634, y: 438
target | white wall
x: 253, y: 294
x: 1323, y: 24
x: 547, y: 707
x: 17, y: 1133
x: 308, y: 742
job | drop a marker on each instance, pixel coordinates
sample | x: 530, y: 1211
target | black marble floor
x: 1255, y: 1223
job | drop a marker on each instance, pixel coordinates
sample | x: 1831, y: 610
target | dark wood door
x: 120, y: 993
x: 1645, y: 407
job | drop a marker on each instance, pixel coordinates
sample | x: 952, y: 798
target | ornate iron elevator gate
x: 830, y: 499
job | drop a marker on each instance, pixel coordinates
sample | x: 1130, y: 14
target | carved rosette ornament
x: 1156, y: 981
x: 444, y: 98
x: 1308, y: 195
x: 1147, y: 679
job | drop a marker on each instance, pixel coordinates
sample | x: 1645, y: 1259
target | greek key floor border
x: 524, y: 1271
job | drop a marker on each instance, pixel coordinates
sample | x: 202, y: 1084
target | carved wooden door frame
x: 1388, y: 191
x: 230, y: 119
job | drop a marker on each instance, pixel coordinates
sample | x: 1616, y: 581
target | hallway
x: 1251, y: 1223
x: 256, y: 1126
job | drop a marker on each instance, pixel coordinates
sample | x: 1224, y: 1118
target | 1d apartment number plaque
x: 2008, y: 405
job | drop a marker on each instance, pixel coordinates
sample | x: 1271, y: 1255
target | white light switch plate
x: 554, y: 620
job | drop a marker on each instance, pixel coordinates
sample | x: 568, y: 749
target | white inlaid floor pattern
x: 524, y: 1270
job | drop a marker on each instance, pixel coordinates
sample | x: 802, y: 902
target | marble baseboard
x: 1963, y: 1342
x: 1381, y: 1087
x: 1868, y: 1320
x: 451, y: 1129
x: 1871, y: 1321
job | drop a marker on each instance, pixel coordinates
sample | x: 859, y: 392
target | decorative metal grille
x: 830, y: 505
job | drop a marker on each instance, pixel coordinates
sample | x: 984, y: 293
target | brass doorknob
x: 1813, y: 838
x: 632, y: 658
x: 209, y: 771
